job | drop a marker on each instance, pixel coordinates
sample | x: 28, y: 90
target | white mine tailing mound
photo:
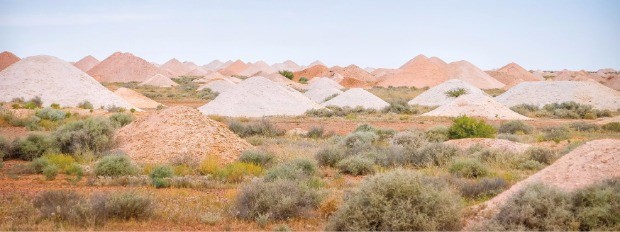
x: 357, y: 97
x: 55, y: 81
x: 257, y: 97
x: 588, y: 164
x: 219, y: 86
x: 319, y: 95
x: 323, y: 82
x: 436, y: 96
x: 159, y: 81
x: 177, y: 132
x: 541, y: 93
x: 86, y: 63
x: 476, y: 105
x: 136, y: 99
x: 495, y: 144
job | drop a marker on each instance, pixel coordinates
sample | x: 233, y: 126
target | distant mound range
x: 125, y: 67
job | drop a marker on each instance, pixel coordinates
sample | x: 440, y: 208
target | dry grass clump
x: 398, y: 201
x: 515, y: 127
x: 262, y: 128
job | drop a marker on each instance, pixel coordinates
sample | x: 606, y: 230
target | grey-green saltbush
x: 93, y: 134
x: 259, y: 158
x: 356, y: 165
x: 115, y: 165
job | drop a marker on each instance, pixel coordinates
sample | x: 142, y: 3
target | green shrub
x: 466, y: 127
x: 400, y: 106
x: 514, y: 127
x: 384, y: 134
x: 159, y: 174
x: 287, y: 74
x: 456, y: 92
x: 438, y: 134
x: 38, y: 164
x: 93, y: 134
x: 74, y: 170
x: 410, y: 139
x: 62, y: 205
x: 303, y: 80
x: 30, y: 105
x: 359, y: 141
x: 596, y: 207
x: 315, y: 133
x: 583, y: 126
x: 31, y: 147
x: 468, y: 168
x: 294, y: 170
x: 259, y: 158
x: 61, y: 161
x: 525, y: 109
x: 115, y: 109
x: 50, y: 172
x: 356, y: 165
x: 540, y: 154
x: 85, y: 105
x: 434, y: 154
x: 556, y: 134
x: 51, y: 114
x: 114, y: 165
x: 612, y: 126
x: 537, y: 207
x: 206, y: 94
x: 575, y: 110
x: 280, y: 199
x: 329, y: 156
x: 121, y: 119
x: 262, y: 127
x: 36, y: 101
x: 482, y: 188
x: 398, y: 201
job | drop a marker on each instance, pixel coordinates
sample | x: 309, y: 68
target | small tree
x: 287, y: 74
x: 466, y: 127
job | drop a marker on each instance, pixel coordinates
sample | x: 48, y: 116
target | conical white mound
x: 436, y: 96
x: 324, y: 82
x: 319, y: 95
x: 55, y: 81
x: 257, y: 97
x: 357, y: 97
x: 159, y: 81
x: 476, y: 105
x: 541, y: 93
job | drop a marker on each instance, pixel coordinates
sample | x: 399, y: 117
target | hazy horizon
x: 547, y: 35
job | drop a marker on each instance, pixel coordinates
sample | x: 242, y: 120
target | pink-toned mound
x: 179, y: 132
x: 124, y: 67
x: 176, y: 68
x: 198, y: 72
x: 159, y: 81
x: 588, y: 164
x: 566, y: 75
x: 496, y: 144
x: 419, y: 72
x: 258, y: 67
x: 312, y: 72
x: 513, y: 74
x: 7, y: 59
x: 87, y: 63
x: 234, y: 69
x: 136, y: 99
x: 466, y: 71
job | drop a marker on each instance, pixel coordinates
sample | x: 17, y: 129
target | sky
x: 537, y: 34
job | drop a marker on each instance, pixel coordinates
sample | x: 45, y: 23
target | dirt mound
x: 136, y: 99
x: 190, y: 65
x: 213, y: 65
x: 314, y: 63
x: 219, y: 86
x: 436, y: 96
x: 7, y: 59
x: 319, y: 95
x: 55, y: 81
x: 357, y: 97
x: 612, y: 82
x: 513, y: 74
x: 541, y: 93
x: 476, y: 105
x: 566, y: 75
x: 419, y: 72
x: 176, y: 68
x: 258, y: 67
x: 87, y: 63
x: 178, y: 132
x: 159, y: 81
x: 124, y: 67
x: 198, y: 72
x: 312, y: 72
x: 466, y: 71
x: 210, y: 77
x: 588, y: 164
x: 324, y: 82
x: 352, y: 71
x: 497, y: 144
x: 234, y: 69
x: 288, y: 65
x: 257, y: 97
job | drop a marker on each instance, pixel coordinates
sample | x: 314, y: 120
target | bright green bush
x: 287, y: 74
x: 115, y: 165
x: 456, y: 92
x: 398, y: 201
x: 466, y: 127
x: 159, y: 174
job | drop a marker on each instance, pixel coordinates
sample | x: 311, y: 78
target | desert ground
x: 123, y: 143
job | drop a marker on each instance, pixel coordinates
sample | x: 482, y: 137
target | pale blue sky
x: 537, y: 34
